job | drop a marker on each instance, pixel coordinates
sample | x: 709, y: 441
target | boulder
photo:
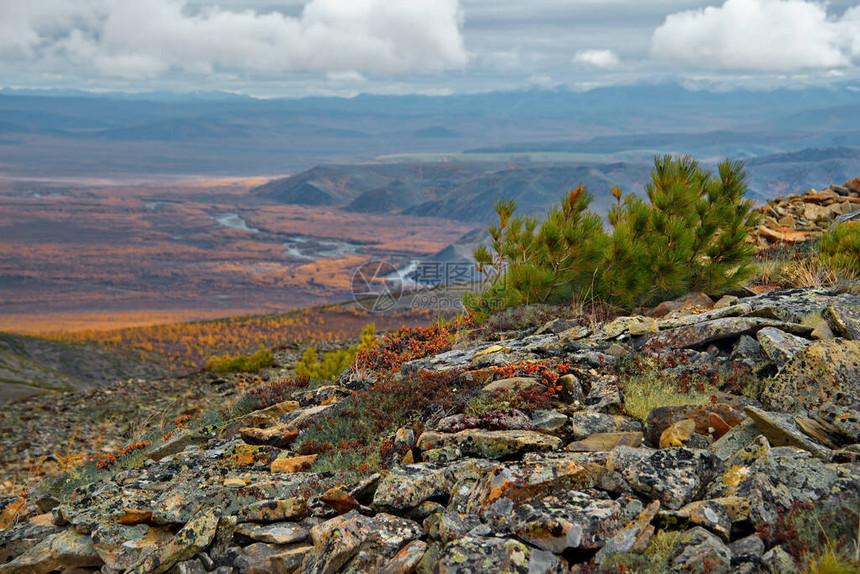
x: 567, y: 520
x: 824, y: 372
x: 701, y: 334
x: 780, y: 346
x: 584, y: 424
x: 843, y: 321
x: 490, y: 444
x: 356, y: 543
x: 673, y: 476
x: 481, y: 554
x: 606, y: 441
x: 703, y: 553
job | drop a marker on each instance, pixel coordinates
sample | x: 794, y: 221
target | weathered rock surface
x: 570, y: 481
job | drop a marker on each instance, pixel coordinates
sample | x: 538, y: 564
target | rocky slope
x: 750, y: 453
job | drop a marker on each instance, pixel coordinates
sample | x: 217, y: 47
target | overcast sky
x: 311, y: 47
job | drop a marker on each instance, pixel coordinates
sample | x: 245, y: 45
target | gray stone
x: 278, y: 533
x: 703, y: 552
x: 567, y: 520
x: 604, y: 396
x: 749, y: 549
x: 673, y: 475
x: 475, y: 555
x: 584, y: 424
x: 781, y: 430
x: 843, y: 321
x: 490, y: 444
x: 778, y: 561
x: 701, y: 334
x: 780, y: 346
x: 548, y: 421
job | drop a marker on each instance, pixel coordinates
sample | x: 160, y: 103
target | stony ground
x: 706, y: 438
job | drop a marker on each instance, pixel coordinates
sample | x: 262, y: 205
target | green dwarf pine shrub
x: 333, y: 363
x: 839, y: 248
x: 691, y: 233
x: 529, y: 263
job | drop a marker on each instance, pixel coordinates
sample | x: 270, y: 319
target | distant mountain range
x: 467, y: 190
x: 61, y: 133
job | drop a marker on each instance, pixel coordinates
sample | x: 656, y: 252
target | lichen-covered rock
x: 781, y: 430
x: 780, y: 346
x: 824, y: 372
x: 294, y: 508
x: 635, y: 325
x: 673, y: 476
x: 411, y: 484
x: 567, y: 520
x: 490, y: 444
x: 703, y: 552
x: 356, y: 543
x: 843, y: 321
x: 798, y: 305
x: 606, y: 442
x: 477, y: 555
x: 584, y: 424
x: 513, y: 483
x: 748, y: 549
x: 67, y: 550
x: 278, y: 533
x: 407, y: 559
x: 633, y: 537
x: 196, y: 535
x: 700, y: 334
x: 548, y: 421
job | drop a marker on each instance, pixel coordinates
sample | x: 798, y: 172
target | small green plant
x: 260, y: 360
x: 333, y: 363
x: 840, y: 247
x: 691, y: 233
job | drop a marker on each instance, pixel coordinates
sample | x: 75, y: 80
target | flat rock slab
x: 490, y: 444
x: 707, y: 332
x: 781, y: 430
x: 356, y: 543
x: 780, y: 346
x: 482, y: 554
x: 567, y: 520
x: 673, y: 475
x: 409, y: 485
x: 584, y: 424
x: 824, y: 372
x: 843, y: 321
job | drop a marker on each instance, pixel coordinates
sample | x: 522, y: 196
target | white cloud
x: 761, y: 36
x: 144, y: 39
x: 603, y: 59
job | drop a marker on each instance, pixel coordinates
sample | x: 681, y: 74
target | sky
x: 344, y: 47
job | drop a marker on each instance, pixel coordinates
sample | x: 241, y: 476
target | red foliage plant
x: 404, y: 345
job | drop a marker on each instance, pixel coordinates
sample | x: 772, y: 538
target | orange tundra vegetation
x: 185, y: 346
